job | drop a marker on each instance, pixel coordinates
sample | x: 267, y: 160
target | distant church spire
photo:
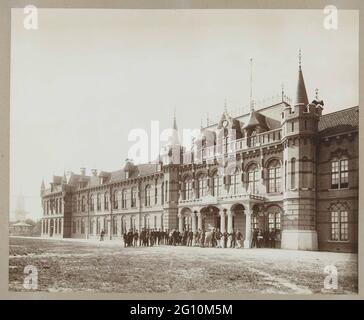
x: 301, y: 94
x: 251, y: 85
x: 174, y: 120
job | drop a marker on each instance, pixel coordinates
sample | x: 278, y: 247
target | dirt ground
x: 76, y: 265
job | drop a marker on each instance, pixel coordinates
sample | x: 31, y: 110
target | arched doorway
x: 238, y: 218
x: 267, y: 223
x: 210, y: 218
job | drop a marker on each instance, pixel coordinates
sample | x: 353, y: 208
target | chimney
x: 94, y: 172
x: 83, y: 171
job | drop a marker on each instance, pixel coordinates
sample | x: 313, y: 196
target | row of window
x: 120, y: 199
x: 52, y: 226
x: 96, y: 226
x: 53, y: 206
x: 233, y: 181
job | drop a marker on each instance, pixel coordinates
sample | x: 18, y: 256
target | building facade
x: 286, y: 167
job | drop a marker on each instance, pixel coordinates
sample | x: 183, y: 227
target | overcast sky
x: 85, y: 78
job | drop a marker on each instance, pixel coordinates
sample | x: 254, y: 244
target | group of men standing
x: 202, y: 238
x: 266, y: 239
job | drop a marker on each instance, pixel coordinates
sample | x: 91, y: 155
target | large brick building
x: 285, y: 167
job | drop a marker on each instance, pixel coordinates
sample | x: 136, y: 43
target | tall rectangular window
x: 339, y: 174
x: 339, y: 226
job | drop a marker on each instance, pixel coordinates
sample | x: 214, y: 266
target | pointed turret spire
x: 301, y: 94
x: 174, y: 120
x: 42, y: 186
x: 251, y: 86
x: 174, y: 138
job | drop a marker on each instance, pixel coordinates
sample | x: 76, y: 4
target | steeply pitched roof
x: 339, y: 121
x: 256, y: 119
x: 301, y: 94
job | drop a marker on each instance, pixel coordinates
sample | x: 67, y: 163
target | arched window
x: 339, y: 222
x: 56, y: 207
x: 187, y: 188
x: 98, y: 226
x: 123, y: 199
x: 92, y: 226
x: 83, y: 204
x: 339, y: 173
x: 114, y: 226
x: 162, y: 193
x: 274, y: 221
x: 234, y: 186
x: 147, y: 196
x: 147, y: 221
x: 201, y: 186
x: 155, y: 194
x: 98, y: 202
x: 187, y: 223
x: 306, y: 172
x: 123, y: 225
x: 133, y: 197
x: 285, y: 175
x: 132, y: 223
x: 82, y: 226
x: 60, y: 205
x: 106, y: 201
x: 216, y: 184
x: 253, y: 179
x: 274, y: 176
x: 166, y: 191
x: 293, y: 173
x: 92, y: 204
x: 116, y: 199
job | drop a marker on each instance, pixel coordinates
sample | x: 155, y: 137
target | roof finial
x: 282, y: 87
x: 207, y: 119
x: 300, y: 58
x: 201, y: 125
x: 251, y: 85
x: 316, y: 93
x: 225, y: 106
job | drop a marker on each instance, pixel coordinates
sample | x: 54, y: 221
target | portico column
x: 193, y: 217
x: 222, y: 221
x: 248, y: 228
x: 199, y: 220
x: 230, y: 222
x: 180, y: 222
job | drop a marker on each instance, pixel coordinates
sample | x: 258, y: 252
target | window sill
x: 338, y: 241
x: 338, y: 189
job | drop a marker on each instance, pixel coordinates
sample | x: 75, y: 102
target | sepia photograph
x: 184, y: 151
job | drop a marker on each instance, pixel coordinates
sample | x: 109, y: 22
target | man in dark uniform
x: 225, y: 239
x: 255, y: 238
x: 189, y: 238
x: 130, y: 238
x: 135, y: 238
x: 272, y: 239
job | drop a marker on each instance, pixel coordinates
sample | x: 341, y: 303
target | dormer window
x: 253, y: 138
